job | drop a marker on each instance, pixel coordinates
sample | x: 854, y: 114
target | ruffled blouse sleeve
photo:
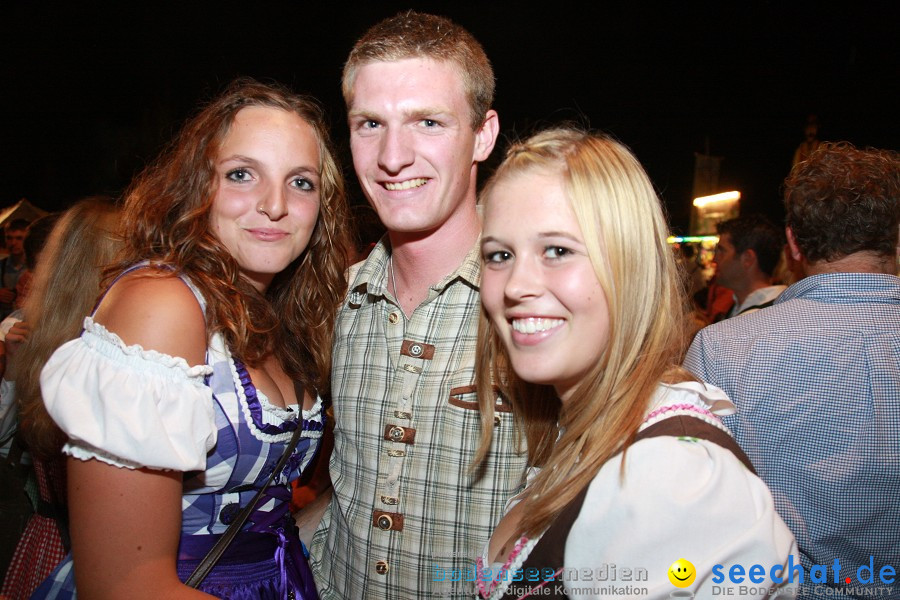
x: 680, y: 498
x: 128, y: 406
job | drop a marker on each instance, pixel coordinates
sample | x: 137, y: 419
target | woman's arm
x: 125, y: 527
x: 126, y: 523
x: 156, y: 312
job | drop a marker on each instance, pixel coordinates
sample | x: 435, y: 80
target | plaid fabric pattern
x: 816, y: 379
x: 40, y: 548
x: 242, y: 455
x: 448, y: 513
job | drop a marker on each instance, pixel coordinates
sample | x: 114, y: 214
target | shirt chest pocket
x: 463, y: 413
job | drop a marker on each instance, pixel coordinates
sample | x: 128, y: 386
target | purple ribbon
x: 281, y: 543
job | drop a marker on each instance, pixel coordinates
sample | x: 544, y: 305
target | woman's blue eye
x: 239, y: 175
x: 304, y: 184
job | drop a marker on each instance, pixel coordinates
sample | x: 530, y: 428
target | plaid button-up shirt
x: 406, y: 512
x: 816, y: 380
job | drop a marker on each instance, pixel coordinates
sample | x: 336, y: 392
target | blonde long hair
x: 66, y: 284
x: 625, y: 234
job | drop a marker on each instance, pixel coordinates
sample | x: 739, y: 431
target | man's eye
x: 238, y: 175
x: 369, y: 124
x: 430, y: 123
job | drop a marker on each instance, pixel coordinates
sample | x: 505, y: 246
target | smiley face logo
x: 682, y: 573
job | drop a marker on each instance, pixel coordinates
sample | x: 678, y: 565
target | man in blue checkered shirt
x: 816, y: 376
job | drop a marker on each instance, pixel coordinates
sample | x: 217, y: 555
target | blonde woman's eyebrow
x: 562, y: 234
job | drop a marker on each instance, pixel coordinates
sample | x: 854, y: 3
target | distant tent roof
x: 23, y: 209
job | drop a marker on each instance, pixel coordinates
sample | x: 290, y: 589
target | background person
x: 85, y: 240
x: 816, y: 377
x: 13, y: 265
x: 35, y: 239
x: 746, y: 256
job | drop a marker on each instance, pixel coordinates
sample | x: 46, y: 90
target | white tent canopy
x: 23, y: 209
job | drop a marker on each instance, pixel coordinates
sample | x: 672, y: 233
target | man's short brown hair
x: 419, y: 35
x: 16, y: 225
x: 755, y: 232
x: 843, y: 200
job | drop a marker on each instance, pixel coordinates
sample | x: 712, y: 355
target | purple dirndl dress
x: 266, y: 560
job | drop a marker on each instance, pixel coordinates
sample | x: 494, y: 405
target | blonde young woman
x: 582, y: 332
x: 206, y: 353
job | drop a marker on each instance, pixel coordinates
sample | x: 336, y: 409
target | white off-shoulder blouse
x: 133, y: 408
x: 681, y: 498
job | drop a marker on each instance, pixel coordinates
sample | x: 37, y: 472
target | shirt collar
x: 866, y: 287
x: 756, y: 297
x: 371, y: 276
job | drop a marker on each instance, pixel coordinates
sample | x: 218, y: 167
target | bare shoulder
x: 158, y: 311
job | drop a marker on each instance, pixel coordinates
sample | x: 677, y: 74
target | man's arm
x: 308, y: 518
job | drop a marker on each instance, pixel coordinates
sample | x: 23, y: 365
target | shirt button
x: 396, y: 433
x: 385, y: 522
x: 393, y: 319
x: 415, y: 350
x: 381, y: 567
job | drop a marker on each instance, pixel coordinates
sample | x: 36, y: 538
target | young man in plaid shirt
x: 406, y: 511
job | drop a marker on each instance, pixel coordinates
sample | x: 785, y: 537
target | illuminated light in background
x: 704, y: 200
x: 692, y: 239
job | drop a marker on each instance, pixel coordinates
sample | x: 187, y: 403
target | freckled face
x: 267, y: 197
x: 539, y: 287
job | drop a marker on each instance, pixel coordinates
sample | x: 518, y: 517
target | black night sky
x: 89, y: 94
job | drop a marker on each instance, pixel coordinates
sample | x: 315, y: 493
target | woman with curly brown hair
x: 208, y: 351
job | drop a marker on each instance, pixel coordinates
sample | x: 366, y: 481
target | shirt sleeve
x: 128, y: 406
x: 695, y: 359
x: 681, y: 498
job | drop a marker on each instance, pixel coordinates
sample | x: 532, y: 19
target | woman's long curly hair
x: 66, y: 283
x: 167, y: 220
